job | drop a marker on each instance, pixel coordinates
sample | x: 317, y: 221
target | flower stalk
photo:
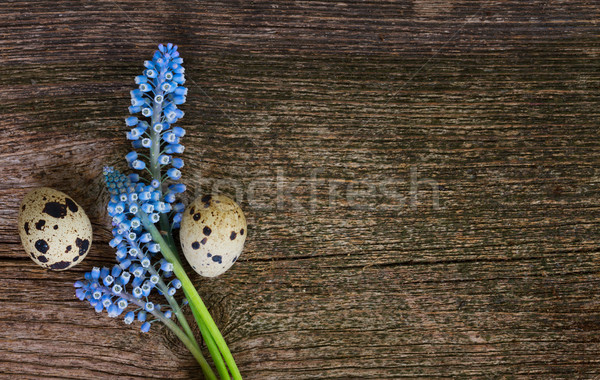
x: 144, y: 214
x: 196, y: 303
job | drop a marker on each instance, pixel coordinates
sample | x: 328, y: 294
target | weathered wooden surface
x: 308, y: 108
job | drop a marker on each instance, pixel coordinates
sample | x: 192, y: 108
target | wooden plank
x: 337, y: 125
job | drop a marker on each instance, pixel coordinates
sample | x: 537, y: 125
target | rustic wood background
x: 333, y: 122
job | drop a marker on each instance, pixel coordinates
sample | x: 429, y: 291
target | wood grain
x: 320, y: 116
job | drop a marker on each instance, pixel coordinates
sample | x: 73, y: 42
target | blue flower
x: 178, y: 188
x: 158, y: 127
x: 146, y: 143
x: 131, y: 121
x: 142, y: 316
x: 129, y: 317
x: 174, y: 148
x: 132, y: 287
x: 145, y: 327
x: 157, y: 98
x: 177, y: 163
x: 112, y: 289
x: 174, y: 173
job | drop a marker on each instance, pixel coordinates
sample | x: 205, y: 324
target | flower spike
x: 144, y: 210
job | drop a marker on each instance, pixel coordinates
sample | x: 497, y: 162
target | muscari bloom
x: 125, y: 289
x: 139, y: 270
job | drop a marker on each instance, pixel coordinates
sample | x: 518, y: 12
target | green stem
x: 208, y: 372
x: 211, y: 345
x: 207, y: 326
x: 196, y: 301
x: 172, y: 302
x: 194, y: 349
x: 192, y: 295
x: 176, y: 309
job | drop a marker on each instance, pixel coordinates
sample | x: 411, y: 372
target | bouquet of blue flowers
x: 145, y: 210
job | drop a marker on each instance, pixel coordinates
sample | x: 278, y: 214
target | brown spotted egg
x: 55, y: 231
x: 213, y: 232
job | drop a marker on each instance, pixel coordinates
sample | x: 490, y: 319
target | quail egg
x: 213, y: 232
x: 55, y: 231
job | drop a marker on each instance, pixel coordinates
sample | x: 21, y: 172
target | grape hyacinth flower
x: 141, y: 288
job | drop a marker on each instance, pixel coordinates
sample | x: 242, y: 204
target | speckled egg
x: 55, y: 231
x: 213, y: 232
